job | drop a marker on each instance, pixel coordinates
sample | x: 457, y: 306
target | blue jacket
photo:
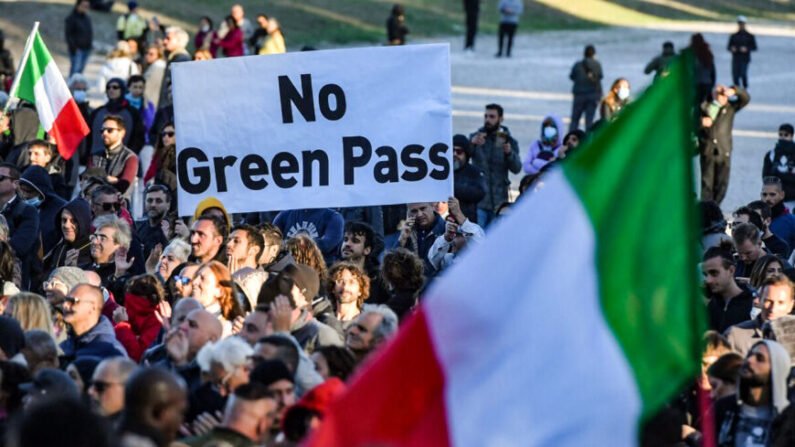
x: 38, y: 178
x: 100, y: 342
x: 783, y: 226
x: 323, y: 225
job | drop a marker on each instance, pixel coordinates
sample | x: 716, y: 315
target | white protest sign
x: 336, y: 128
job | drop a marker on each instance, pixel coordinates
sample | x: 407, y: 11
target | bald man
x: 90, y: 333
x: 183, y: 342
x: 107, y: 386
x: 184, y: 306
x: 248, y: 417
x: 110, y: 303
x: 155, y: 404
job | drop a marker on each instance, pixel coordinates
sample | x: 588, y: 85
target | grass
x: 331, y: 22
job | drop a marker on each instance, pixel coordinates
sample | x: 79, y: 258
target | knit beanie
x: 70, y: 276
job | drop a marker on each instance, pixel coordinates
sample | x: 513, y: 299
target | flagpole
x: 22, y: 62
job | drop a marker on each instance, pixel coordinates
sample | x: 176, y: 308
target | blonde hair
x: 32, y: 311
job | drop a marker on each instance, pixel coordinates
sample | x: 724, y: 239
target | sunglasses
x: 101, y: 386
x: 109, y: 129
x: 114, y: 87
x: 182, y: 279
x: 3, y: 177
x: 109, y: 206
x: 167, y: 133
x: 72, y: 300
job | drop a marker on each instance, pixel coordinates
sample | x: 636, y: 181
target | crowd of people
x: 239, y: 329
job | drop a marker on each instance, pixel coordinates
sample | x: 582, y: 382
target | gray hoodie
x: 514, y: 6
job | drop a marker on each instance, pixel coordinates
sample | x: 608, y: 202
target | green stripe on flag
x: 635, y: 181
x: 33, y: 69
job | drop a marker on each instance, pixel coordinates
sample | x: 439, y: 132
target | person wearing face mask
x: 615, y: 100
x: 119, y: 106
x: 545, y: 149
x: 135, y: 96
x: 35, y: 188
x: 204, y: 38
x: 715, y: 139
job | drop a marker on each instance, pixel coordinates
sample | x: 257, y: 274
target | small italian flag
x: 575, y: 320
x: 40, y: 82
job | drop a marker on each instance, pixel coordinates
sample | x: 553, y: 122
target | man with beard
x: 496, y: 153
x: 157, y: 202
x: 469, y: 182
x: 780, y: 162
x: 728, y: 304
x: 745, y: 418
x: 748, y: 243
x: 782, y: 223
x: 778, y: 299
x: 207, y: 239
x: 117, y: 160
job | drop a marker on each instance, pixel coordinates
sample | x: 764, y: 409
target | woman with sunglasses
x: 214, y: 289
x: 163, y: 168
x: 74, y: 248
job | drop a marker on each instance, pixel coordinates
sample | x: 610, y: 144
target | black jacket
x: 723, y: 315
x: 780, y: 162
x: 81, y: 210
x: 23, y: 231
x: 469, y: 184
x: 79, y: 34
x: 716, y: 140
x: 50, y: 231
x: 739, y: 39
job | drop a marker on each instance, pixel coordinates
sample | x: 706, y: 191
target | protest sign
x: 337, y: 128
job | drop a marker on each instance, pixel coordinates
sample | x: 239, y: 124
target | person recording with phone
x: 495, y: 152
x: 419, y: 231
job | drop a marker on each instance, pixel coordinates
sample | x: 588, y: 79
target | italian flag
x: 575, y: 320
x: 40, y: 82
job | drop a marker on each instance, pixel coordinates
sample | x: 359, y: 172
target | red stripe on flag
x: 69, y: 129
x: 398, y: 400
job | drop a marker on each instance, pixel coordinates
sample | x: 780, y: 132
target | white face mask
x: 550, y: 132
x: 623, y: 93
x: 755, y: 311
x: 205, y: 28
x: 80, y: 95
x: 34, y: 202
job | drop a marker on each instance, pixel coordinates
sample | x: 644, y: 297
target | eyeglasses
x: 114, y: 87
x: 3, y: 177
x: 72, y: 300
x: 101, y: 386
x: 109, y: 129
x: 51, y: 284
x: 182, y: 279
x: 109, y: 206
x: 102, y: 237
x: 167, y: 133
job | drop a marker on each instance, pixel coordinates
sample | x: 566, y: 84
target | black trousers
x: 714, y: 177
x: 472, y: 28
x: 506, y: 29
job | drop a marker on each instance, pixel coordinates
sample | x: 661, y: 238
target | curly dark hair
x: 146, y: 286
x: 305, y: 251
x: 335, y: 273
x: 402, y: 269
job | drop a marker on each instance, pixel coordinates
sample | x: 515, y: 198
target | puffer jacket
x: 496, y: 165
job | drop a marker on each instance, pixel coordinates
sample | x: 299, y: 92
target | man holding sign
x: 306, y: 131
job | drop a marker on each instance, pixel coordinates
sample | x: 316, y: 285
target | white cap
x: 741, y: 19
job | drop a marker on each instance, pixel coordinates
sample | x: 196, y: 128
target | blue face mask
x: 135, y: 102
x: 623, y: 93
x: 550, y: 133
x: 80, y: 95
x: 34, y: 202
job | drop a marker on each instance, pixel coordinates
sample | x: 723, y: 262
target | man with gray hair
x: 107, y: 386
x: 374, y: 325
x: 175, y: 42
x: 109, y: 245
x: 225, y: 363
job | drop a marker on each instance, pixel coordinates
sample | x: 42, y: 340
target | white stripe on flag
x: 52, y: 94
x: 526, y: 353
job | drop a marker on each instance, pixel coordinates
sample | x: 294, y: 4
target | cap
x: 305, y: 277
x: 742, y: 19
x: 52, y: 382
x: 463, y: 142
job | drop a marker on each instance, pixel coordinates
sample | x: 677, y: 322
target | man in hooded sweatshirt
x: 745, y: 418
x: 73, y: 222
x: 545, y: 149
x: 35, y: 188
x: 323, y: 225
x: 780, y: 162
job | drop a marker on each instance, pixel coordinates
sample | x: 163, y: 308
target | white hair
x: 230, y: 353
x: 389, y: 321
x: 179, y: 248
x: 122, y: 235
x: 180, y: 35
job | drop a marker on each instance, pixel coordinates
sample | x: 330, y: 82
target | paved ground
x: 534, y: 83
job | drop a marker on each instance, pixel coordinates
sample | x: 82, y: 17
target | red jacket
x: 140, y: 331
